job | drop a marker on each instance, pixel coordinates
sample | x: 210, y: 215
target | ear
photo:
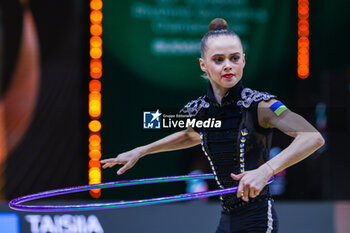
x: 202, y: 65
x: 243, y: 60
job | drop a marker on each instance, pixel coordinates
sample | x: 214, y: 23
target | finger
x: 110, y: 160
x: 237, y: 177
x: 240, y: 189
x: 252, y: 192
x: 246, y: 193
x: 257, y: 192
x: 106, y: 165
x: 104, y: 161
x: 123, y: 169
x: 107, y: 160
x: 109, y: 165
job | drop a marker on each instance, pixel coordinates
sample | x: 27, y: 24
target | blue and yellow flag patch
x: 278, y: 108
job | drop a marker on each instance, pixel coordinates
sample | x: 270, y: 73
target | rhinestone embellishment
x: 244, y: 132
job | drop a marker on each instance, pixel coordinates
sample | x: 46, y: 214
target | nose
x: 227, y: 66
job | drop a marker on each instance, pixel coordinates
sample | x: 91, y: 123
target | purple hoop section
x: 15, y: 203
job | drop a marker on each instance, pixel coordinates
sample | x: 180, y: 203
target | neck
x: 219, y: 91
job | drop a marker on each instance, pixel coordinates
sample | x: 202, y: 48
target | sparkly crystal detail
x: 243, y: 139
x: 248, y: 96
x: 192, y: 108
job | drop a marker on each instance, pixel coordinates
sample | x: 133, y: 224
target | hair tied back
x: 218, y: 24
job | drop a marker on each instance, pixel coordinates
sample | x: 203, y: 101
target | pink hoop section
x: 15, y: 203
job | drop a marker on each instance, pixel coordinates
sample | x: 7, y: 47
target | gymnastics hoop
x: 15, y: 203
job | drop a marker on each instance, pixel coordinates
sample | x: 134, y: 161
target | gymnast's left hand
x: 251, y: 182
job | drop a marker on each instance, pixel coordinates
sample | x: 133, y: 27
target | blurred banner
x: 159, y: 40
x: 43, y: 95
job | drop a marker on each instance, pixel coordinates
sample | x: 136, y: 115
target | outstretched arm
x: 306, y: 140
x: 180, y: 140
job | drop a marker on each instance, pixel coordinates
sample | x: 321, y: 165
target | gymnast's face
x: 223, y: 61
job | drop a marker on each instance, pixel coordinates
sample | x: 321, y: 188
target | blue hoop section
x: 15, y: 203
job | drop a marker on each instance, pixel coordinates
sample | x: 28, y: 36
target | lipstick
x: 228, y: 76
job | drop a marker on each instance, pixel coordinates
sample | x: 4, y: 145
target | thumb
x: 237, y: 177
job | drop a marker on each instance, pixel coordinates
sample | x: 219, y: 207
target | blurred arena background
x: 50, y: 135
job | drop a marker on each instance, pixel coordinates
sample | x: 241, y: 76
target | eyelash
x: 219, y: 59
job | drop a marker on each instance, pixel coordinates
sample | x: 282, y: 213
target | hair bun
x: 218, y: 24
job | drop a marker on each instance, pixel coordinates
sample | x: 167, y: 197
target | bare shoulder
x: 274, y: 114
x: 271, y: 111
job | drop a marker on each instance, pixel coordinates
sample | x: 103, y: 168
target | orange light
x: 304, y: 33
x: 96, y: 69
x: 96, y: 63
x: 303, y: 2
x: 95, y: 140
x: 303, y: 24
x: 303, y: 28
x: 95, y: 137
x: 94, y: 181
x: 303, y: 51
x: 95, y: 194
x: 95, y: 108
x: 95, y: 95
x: 303, y: 16
x: 92, y: 147
x: 96, y: 41
x: 95, y: 105
x: 303, y: 69
x: 303, y: 60
x: 303, y: 9
x: 95, y: 154
x: 96, y: 191
x: 94, y: 163
x: 94, y: 170
x: 95, y: 126
x: 94, y: 173
x: 303, y: 72
x: 96, y: 53
x: 303, y: 42
x: 96, y: 4
x: 95, y: 75
x: 95, y: 143
x: 96, y: 17
x: 96, y: 29
x: 95, y: 86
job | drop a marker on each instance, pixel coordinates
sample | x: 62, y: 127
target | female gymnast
x: 238, y: 150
